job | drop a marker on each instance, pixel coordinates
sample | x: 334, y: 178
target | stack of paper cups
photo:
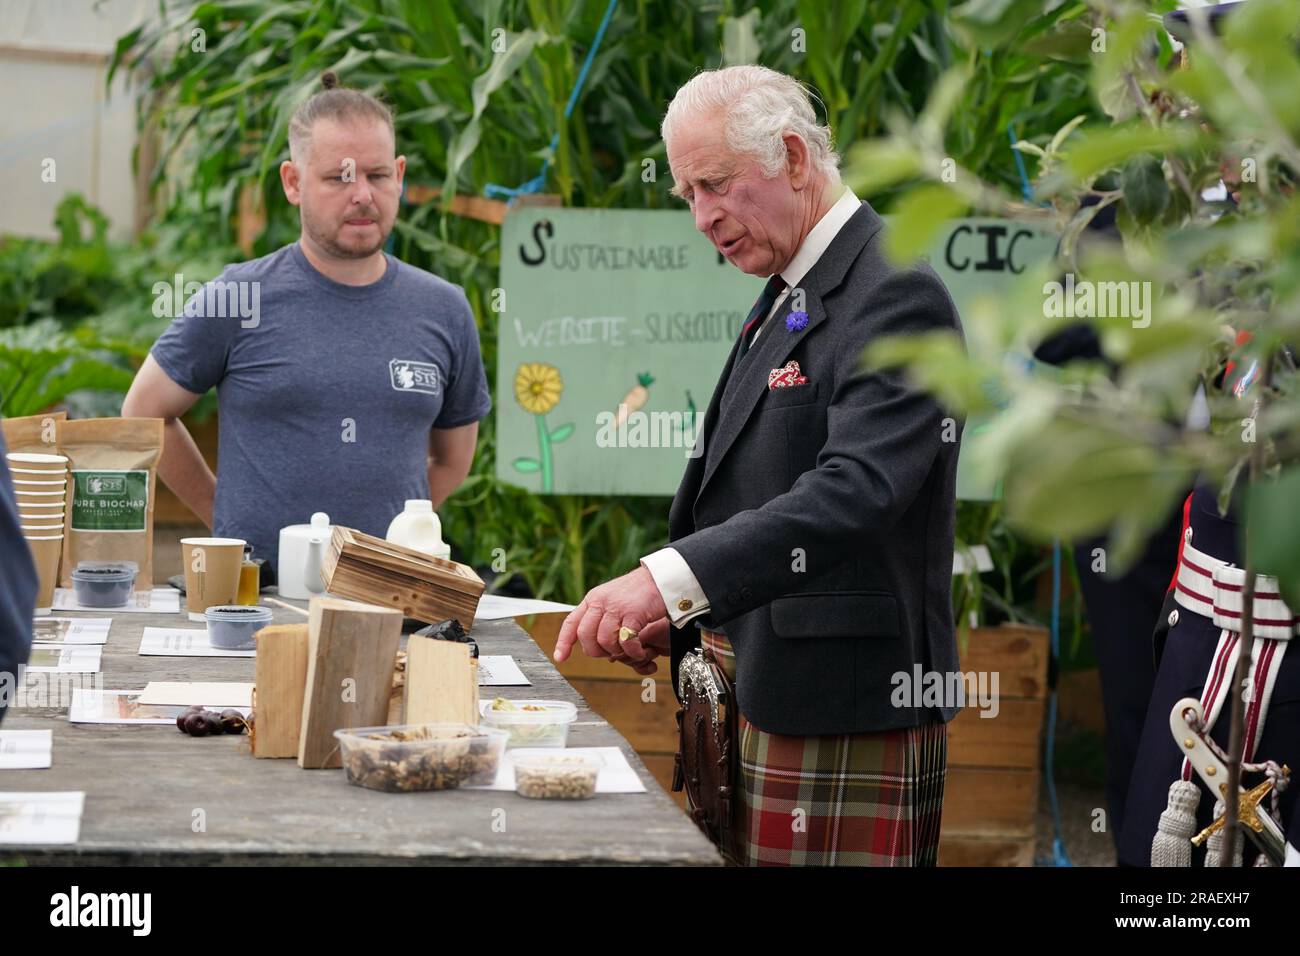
x: 41, y: 489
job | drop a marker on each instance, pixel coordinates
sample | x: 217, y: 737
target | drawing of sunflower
x: 538, y: 387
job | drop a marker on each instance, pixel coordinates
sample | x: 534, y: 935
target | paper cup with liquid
x: 211, y: 573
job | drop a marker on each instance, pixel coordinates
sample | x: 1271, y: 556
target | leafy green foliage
x: 41, y: 364
x: 1083, y: 450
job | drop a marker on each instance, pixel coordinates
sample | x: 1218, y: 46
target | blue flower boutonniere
x: 796, y: 321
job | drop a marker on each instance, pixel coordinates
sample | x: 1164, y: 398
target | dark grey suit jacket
x: 819, y: 520
x: 17, y: 587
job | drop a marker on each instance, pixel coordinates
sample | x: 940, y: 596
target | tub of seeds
x: 557, y: 776
x: 532, y: 723
x: 420, y: 756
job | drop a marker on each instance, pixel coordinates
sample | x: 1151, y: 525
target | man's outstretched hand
x: 632, y: 601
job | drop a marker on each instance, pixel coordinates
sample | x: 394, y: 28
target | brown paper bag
x: 34, y: 434
x: 113, y: 471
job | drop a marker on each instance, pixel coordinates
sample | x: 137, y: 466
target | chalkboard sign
x: 615, y: 325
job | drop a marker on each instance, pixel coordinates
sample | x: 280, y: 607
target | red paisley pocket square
x: 786, y: 377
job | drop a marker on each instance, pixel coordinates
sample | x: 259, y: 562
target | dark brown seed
x: 196, y: 725
x: 232, y: 722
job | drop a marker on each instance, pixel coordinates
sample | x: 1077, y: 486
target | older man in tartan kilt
x: 811, y: 539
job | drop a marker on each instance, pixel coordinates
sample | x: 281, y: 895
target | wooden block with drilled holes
x: 441, y: 682
x: 370, y: 569
x: 280, y: 683
x: 350, y: 654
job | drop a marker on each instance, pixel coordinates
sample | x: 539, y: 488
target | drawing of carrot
x: 635, y: 398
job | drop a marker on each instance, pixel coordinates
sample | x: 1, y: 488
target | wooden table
x: 144, y: 784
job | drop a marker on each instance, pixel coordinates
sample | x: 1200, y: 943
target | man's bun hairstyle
x: 337, y: 103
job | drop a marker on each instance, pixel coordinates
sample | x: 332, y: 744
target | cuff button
x: 685, y: 604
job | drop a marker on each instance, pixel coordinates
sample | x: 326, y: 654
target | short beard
x: 326, y: 242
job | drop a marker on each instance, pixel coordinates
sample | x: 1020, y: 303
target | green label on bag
x: 109, y: 500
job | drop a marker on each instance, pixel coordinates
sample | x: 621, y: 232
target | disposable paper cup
x: 211, y: 573
x: 46, y: 551
x: 36, y: 487
x: 40, y: 518
x: 46, y: 496
x: 47, y: 507
x: 39, y: 530
x: 30, y: 461
x: 38, y: 474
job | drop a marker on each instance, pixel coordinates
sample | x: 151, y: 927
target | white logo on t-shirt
x: 414, y: 376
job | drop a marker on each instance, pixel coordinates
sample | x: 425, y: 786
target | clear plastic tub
x: 532, y: 723
x: 231, y: 626
x: 556, y: 776
x: 420, y: 756
x: 104, y: 583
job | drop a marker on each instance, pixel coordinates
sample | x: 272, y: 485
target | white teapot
x: 302, y: 549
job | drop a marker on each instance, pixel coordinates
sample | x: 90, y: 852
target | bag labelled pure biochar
x: 113, y: 466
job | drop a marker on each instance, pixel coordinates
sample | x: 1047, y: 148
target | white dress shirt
x: 677, y: 584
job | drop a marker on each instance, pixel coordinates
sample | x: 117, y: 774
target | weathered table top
x: 144, y: 783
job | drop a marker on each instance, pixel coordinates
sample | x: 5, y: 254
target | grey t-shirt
x: 326, y: 391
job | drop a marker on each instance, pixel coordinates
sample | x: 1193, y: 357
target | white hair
x: 759, y: 107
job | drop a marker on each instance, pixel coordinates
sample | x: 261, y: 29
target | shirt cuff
x: 677, y: 585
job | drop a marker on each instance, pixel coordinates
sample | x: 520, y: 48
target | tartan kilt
x: 868, y: 799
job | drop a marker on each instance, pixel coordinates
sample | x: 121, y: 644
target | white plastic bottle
x: 418, y: 527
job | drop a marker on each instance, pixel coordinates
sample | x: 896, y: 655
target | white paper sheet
x: 492, y: 607
x: 184, y: 642
x: 71, y: 630
x: 41, y: 818
x: 54, y: 658
x: 205, y: 693
x: 163, y: 600
x: 124, y: 707
x: 616, y: 774
x: 500, y: 670
x: 26, y: 749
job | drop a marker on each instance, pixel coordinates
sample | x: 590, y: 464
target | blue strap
x: 1059, y: 855
x: 538, y: 182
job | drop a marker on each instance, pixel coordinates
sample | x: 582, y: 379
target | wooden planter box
x: 990, y: 804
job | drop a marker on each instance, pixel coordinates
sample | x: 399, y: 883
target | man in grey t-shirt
x: 347, y: 381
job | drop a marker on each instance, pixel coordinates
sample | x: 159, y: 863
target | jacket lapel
x: 746, y: 380
x: 688, y: 489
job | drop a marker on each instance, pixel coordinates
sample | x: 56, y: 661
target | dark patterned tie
x: 775, y: 286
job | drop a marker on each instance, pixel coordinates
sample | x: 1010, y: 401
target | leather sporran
x: 705, y: 766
